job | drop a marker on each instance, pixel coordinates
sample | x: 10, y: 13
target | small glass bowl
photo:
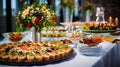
x: 15, y: 36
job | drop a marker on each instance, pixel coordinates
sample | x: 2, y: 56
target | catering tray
x: 38, y: 63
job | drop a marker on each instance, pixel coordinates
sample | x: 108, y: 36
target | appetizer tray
x: 31, y: 53
x: 57, y: 60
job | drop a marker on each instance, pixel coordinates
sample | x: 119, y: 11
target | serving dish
x: 14, y: 63
x: 14, y: 36
x: 90, y: 50
x: 98, y: 31
x: 32, y: 53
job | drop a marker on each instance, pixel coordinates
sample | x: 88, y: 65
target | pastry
x: 38, y: 57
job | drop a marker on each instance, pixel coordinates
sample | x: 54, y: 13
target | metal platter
x: 99, y: 31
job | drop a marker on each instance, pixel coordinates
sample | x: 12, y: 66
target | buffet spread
x: 71, y: 37
x: 89, y: 34
x: 18, y: 52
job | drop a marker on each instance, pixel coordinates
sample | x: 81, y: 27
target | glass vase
x: 88, y: 15
x: 35, y: 35
x: 67, y: 15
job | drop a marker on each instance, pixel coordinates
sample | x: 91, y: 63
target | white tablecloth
x: 118, y: 54
x: 107, y: 57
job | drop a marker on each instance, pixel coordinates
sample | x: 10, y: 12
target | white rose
x: 28, y: 8
x: 48, y: 15
x: 19, y: 12
x: 37, y: 8
x: 23, y: 16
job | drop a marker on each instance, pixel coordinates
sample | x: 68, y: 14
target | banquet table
x: 108, y: 56
x: 118, y: 53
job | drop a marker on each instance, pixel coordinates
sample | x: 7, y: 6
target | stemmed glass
x: 78, y: 33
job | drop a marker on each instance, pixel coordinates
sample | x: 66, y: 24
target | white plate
x: 91, y: 48
x: 90, y: 51
x: 91, y: 54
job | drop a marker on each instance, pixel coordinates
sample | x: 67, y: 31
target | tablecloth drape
x: 109, y: 57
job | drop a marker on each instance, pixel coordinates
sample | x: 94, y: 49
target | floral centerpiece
x: 67, y: 8
x: 68, y: 3
x: 88, y: 5
x: 87, y: 10
x: 35, y: 15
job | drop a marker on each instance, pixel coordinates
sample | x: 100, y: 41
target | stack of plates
x: 90, y: 50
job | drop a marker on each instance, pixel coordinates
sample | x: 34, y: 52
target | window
x: 42, y: 1
x: 4, y: 7
x: 14, y: 7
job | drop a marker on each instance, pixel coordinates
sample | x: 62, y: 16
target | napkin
x: 110, y: 39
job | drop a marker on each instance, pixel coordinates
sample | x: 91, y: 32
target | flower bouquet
x: 67, y: 8
x: 88, y: 5
x: 35, y: 15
